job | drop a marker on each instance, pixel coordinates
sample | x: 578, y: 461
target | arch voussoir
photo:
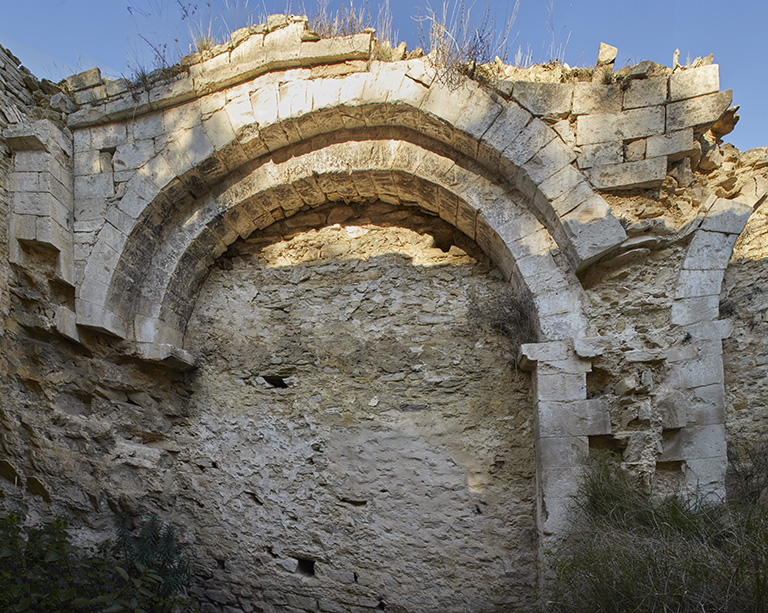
x: 266, y: 121
x: 401, y: 171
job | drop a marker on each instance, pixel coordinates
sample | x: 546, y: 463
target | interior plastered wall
x: 604, y: 198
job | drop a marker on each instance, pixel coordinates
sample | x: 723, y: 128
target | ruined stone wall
x: 365, y: 417
x: 743, y: 303
x: 15, y: 98
x: 355, y: 330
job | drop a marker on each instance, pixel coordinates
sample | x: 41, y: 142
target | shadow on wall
x: 352, y: 418
x: 744, y: 302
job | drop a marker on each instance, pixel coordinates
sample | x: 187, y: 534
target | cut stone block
x: 641, y: 174
x: 593, y: 230
x: 544, y: 98
x: 692, y: 283
x: 634, y: 151
x: 596, y: 98
x: 645, y: 92
x: 706, y: 477
x: 606, y: 54
x: 564, y: 451
x: 606, y: 127
x: 167, y: 354
x: 693, y: 82
x: 552, y: 158
x: 698, y: 111
x: 84, y: 80
x: 674, y: 145
x: 601, y: 154
x: 543, y: 352
x: 693, y: 310
x: 729, y: 216
x: 534, y: 137
x: 709, y: 251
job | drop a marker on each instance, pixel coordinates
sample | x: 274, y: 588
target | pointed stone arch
x: 496, y: 219
x: 231, y: 162
x: 467, y: 145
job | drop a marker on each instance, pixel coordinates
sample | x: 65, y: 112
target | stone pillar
x: 43, y: 203
x: 694, y: 411
x: 42, y: 187
x: 564, y: 419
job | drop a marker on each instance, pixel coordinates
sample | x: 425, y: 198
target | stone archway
x: 245, y: 156
x: 476, y: 147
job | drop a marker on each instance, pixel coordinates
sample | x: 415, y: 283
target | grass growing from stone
x: 459, y: 43
x: 627, y: 551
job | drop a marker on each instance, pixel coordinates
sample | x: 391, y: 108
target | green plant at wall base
x: 627, y: 551
x: 40, y: 570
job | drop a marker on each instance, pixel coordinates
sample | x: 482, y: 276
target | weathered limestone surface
x: 330, y: 312
x: 385, y: 419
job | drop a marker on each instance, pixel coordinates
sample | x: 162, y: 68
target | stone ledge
x: 167, y: 355
x: 38, y: 135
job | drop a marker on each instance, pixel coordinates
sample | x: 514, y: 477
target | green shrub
x: 40, y: 570
x: 630, y: 552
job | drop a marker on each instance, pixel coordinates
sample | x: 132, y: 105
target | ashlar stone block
x: 553, y: 157
x: 505, y: 128
x: 544, y: 98
x: 593, y: 230
x: 328, y: 50
x: 579, y: 418
x: 675, y: 145
x: 596, y: 98
x: 693, y: 310
x: 643, y: 173
x: 699, y: 111
x: 560, y: 183
x: 692, y: 82
x: 532, y: 138
x: 706, y: 476
x: 693, y: 283
x: 728, y: 216
x: 645, y: 92
x: 601, y: 154
x: 629, y: 124
x: 709, y: 250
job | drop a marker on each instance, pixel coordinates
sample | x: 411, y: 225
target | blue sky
x: 54, y: 38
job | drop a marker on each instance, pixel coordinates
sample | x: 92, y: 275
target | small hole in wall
x: 598, y: 382
x: 381, y: 606
x: 673, y: 466
x: 221, y: 564
x: 275, y: 381
x: 606, y: 442
x: 306, y: 567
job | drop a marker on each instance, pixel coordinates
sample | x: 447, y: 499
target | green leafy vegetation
x: 628, y: 551
x: 41, y: 570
